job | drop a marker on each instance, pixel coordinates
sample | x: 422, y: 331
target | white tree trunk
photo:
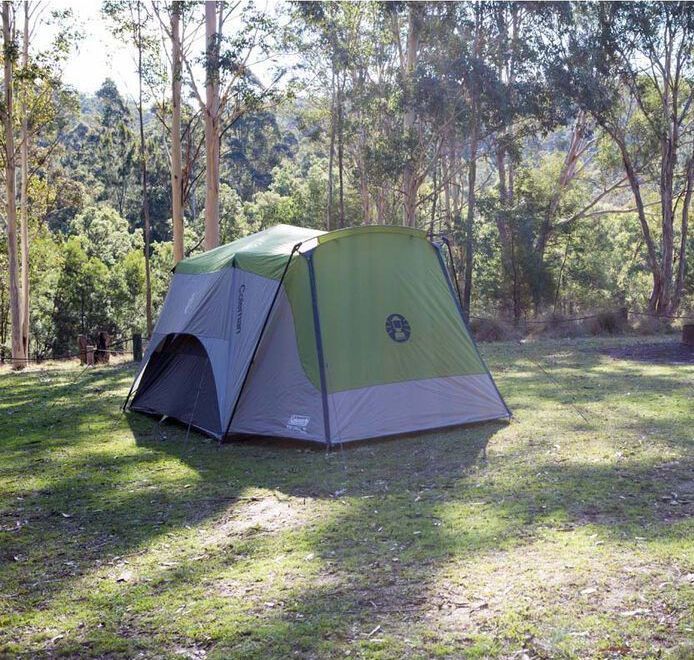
x: 212, y: 133
x: 11, y: 202
x: 410, y: 183
x: 143, y: 170
x: 24, y: 189
x: 176, y: 153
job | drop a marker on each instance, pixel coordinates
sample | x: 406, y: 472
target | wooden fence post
x: 688, y: 334
x: 82, y: 348
x: 137, y: 347
x: 103, y: 342
x: 90, y: 355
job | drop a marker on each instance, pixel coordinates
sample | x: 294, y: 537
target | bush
x: 556, y: 326
x: 649, y: 325
x: 607, y: 322
x: 487, y: 330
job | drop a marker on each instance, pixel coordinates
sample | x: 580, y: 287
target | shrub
x: 649, y: 325
x: 608, y: 322
x: 556, y: 326
x: 487, y: 330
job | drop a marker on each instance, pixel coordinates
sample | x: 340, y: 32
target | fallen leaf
x: 589, y: 590
x: 125, y: 576
x: 634, y: 612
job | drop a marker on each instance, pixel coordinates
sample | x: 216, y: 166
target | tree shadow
x: 384, y: 557
x: 379, y: 520
x: 666, y: 353
x: 95, y: 506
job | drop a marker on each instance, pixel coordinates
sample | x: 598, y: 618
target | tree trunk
x: 331, y: 154
x: 212, y: 133
x: 566, y: 176
x: 340, y: 149
x: 668, y: 149
x: 410, y: 182
x: 667, y: 171
x: 364, y: 191
x: 143, y: 164
x: 24, y: 188
x: 505, y: 234
x: 472, y: 174
x: 469, y: 223
x: 11, y: 201
x: 176, y: 150
x: 682, y: 262
x: 645, y: 229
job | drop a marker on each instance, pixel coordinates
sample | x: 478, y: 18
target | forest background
x: 551, y: 143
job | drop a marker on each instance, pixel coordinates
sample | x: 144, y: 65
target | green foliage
x: 82, y: 297
x: 100, y: 280
x: 45, y: 274
x: 295, y: 197
x: 104, y: 234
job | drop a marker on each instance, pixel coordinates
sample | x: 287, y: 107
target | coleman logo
x: 298, y: 423
x: 239, y: 308
x: 398, y: 328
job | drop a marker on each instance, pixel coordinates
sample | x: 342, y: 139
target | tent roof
x: 264, y: 253
x: 370, y: 229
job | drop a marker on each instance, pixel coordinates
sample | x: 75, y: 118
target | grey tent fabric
x: 295, y: 409
x: 435, y: 402
x: 179, y: 383
x: 198, y: 305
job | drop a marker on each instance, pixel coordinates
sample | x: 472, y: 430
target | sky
x: 98, y: 55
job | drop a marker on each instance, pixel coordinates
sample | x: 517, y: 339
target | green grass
x: 550, y: 536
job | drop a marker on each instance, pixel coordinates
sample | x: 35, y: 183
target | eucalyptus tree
x: 31, y: 77
x: 171, y: 19
x: 133, y: 21
x: 238, y: 38
x: 10, y: 158
x: 631, y: 67
x: 335, y: 47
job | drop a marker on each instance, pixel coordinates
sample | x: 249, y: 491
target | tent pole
x: 319, y: 350
x: 260, y: 337
x: 466, y: 313
x: 446, y: 274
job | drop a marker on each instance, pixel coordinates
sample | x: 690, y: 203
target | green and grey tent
x: 326, y: 337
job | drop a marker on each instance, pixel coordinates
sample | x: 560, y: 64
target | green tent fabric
x: 327, y: 337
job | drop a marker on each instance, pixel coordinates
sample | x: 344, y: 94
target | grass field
x: 552, y: 536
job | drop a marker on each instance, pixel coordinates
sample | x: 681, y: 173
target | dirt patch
x: 260, y: 515
x: 654, y: 353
